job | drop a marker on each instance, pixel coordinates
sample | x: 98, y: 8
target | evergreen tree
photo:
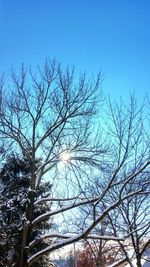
x: 15, y: 188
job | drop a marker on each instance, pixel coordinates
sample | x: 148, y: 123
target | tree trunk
x: 138, y: 260
x: 23, y: 254
x: 27, y: 232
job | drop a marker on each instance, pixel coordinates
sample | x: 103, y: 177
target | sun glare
x: 65, y: 156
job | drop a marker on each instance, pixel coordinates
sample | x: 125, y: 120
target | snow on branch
x: 84, y: 235
x: 39, y: 201
x: 70, y: 239
x: 72, y: 206
x: 52, y: 248
x: 65, y: 208
x: 66, y: 236
x: 118, y: 263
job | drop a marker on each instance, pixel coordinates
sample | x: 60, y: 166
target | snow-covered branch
x: 66, y: 236
x: 70, y: 240
x: 118, y: 263
x: 63, y: 209
x: 50, y: 199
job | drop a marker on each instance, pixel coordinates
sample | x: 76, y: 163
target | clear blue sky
x: 108, y: 35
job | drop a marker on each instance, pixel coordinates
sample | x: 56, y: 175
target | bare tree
x: 131, y: 217
x: 126, y: 173
x: 132, y: 220
x: 50, y: 118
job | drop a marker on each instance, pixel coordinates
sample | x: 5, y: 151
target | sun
x: 65, y: 156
